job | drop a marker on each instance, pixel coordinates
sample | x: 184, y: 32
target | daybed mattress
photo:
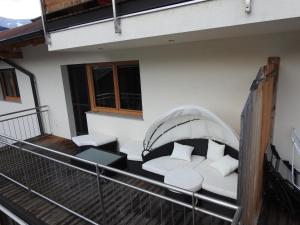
x: 164, y: 164
x: 215, y: 182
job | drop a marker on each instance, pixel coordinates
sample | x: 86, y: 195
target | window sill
x: 117, y: 115
x: 17, y: 101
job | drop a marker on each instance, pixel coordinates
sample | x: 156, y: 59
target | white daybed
x: 192, y: 126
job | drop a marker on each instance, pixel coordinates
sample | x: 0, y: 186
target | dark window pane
x: 10, y: 84
x: 130, y: 87
x: 104, y: 86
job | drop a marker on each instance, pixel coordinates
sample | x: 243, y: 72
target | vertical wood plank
x: 256, y: 133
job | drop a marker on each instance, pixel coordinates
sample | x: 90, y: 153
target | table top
x: 99, y: 156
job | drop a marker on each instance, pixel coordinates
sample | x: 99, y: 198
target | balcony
x: 90, y: 25
x: 41, y: 183
x: 64, y: 14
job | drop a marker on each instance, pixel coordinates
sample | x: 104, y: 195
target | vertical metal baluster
x: 32, y: 124
x: 140, y: 201
x: 183, y: 215
x: 193, y: 209
x: 52, y: 193
x: 28, y: 127
x: 49, y: 124
x: 18, y: 119
x: 101, y: 195
x: 25, y: 170
x: 161, y: 212
x: 115, y: 202
x: 34, y: 169
x: 9, y: 158
x: 40, y: 169
x: 14, y: 127
x: 46, y: 167
x: 150, y: 206
x: 131, y: 204
x: 63, y: 186
x: 33, y: 127
x: 43, y: 120
x: 4, y: 129
x: 7, y: 122
x: 172, y: 209
x: 26, y: 137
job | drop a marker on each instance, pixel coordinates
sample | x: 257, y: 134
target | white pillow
x: 183, y: 152
x: 226, y: 165
x: 215, y: 151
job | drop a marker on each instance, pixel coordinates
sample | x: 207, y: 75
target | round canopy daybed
x: 192, y: 126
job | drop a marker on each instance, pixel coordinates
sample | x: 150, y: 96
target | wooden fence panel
x: 256, y: 132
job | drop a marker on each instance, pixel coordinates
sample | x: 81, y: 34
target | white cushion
x: 215, y: 182
x: 133, y: 149
x: 183, y: 152
x: 93, y: 139
x: 164, y: 164
x: 215, y: 151
x: 185, y: 178
x: 225, y: 165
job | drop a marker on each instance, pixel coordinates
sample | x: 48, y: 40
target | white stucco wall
x: 288, y: 106
x: 215, y: 74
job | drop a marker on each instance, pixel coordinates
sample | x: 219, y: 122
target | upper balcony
x: 93, y: 24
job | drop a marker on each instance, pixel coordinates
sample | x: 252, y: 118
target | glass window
x: 104, y: 87
x: 130, y: 87
x: 9, y: 85
x: 116, y: 87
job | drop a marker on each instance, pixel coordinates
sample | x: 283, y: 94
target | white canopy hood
x: 188, y: 122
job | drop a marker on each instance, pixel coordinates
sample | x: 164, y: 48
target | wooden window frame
x: 117, y: 109
x: 14, y: 98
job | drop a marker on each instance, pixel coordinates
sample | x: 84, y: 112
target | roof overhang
x: 13, y: 40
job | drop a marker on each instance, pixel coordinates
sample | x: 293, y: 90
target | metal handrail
x: 26, y: 123
x: 30, y: 114
x: 121, y: 172
x: 23, y: 110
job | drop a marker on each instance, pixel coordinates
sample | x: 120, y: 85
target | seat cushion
x: 226, y: 165
x: 186, y: 178
x: 215, y: 151
x: 133, y: 149
x: 93, y: 139
x: 183, y: 152
x: 215, y: 182
x: 164, y: 164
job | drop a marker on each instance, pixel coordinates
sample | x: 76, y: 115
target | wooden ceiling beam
x: 11, y: 54
x: 21, y: 44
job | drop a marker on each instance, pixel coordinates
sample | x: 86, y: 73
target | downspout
x: 33, y: 87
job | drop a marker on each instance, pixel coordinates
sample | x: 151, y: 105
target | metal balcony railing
x: 26, y: 124
x: 60, y: 15
x: 104, y: 195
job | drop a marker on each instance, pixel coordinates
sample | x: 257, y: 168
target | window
x: 115, y: 87
x: 9, y: 85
